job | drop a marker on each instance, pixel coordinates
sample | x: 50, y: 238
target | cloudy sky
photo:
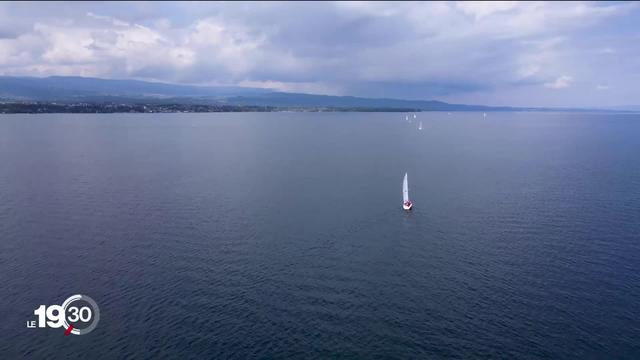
x: 497, y: 53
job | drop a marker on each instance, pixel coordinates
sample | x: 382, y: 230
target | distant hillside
x: 278, y: 99
x: 73, y: 89
x: 81, y: 89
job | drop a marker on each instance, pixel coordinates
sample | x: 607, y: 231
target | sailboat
x: 414, y: 116
x: 420, y: 126
x: 406, y: 203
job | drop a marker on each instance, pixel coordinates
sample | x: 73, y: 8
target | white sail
x: 405, y: 189
x: 420, y: 127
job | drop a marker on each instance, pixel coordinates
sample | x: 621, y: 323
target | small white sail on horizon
x: 420, y: 126
x: 414, y: 116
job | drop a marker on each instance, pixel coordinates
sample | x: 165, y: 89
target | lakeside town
x: 12, y: 107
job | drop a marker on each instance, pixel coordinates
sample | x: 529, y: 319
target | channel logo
x: 78, y: 315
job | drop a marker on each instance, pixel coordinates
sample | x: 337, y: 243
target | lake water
x: 273, y: 235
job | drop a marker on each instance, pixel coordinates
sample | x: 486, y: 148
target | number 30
x: 80, y: 314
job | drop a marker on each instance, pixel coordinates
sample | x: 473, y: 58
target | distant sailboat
x: 414, y: 116
x: 406, y: 117
x: 420, y: 126
x: 406, y: 203
x: 484, y: 114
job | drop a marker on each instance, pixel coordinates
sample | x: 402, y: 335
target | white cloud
x: 606, y: 50
x: 560, y: 83
x: 70, y: 46
x: 110, y: 19
x: 480, y: 9
x: 304, y: 87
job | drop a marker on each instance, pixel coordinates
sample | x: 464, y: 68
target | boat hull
x: 407, y: 207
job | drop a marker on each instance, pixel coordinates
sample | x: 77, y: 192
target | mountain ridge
x: 76, y: 89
